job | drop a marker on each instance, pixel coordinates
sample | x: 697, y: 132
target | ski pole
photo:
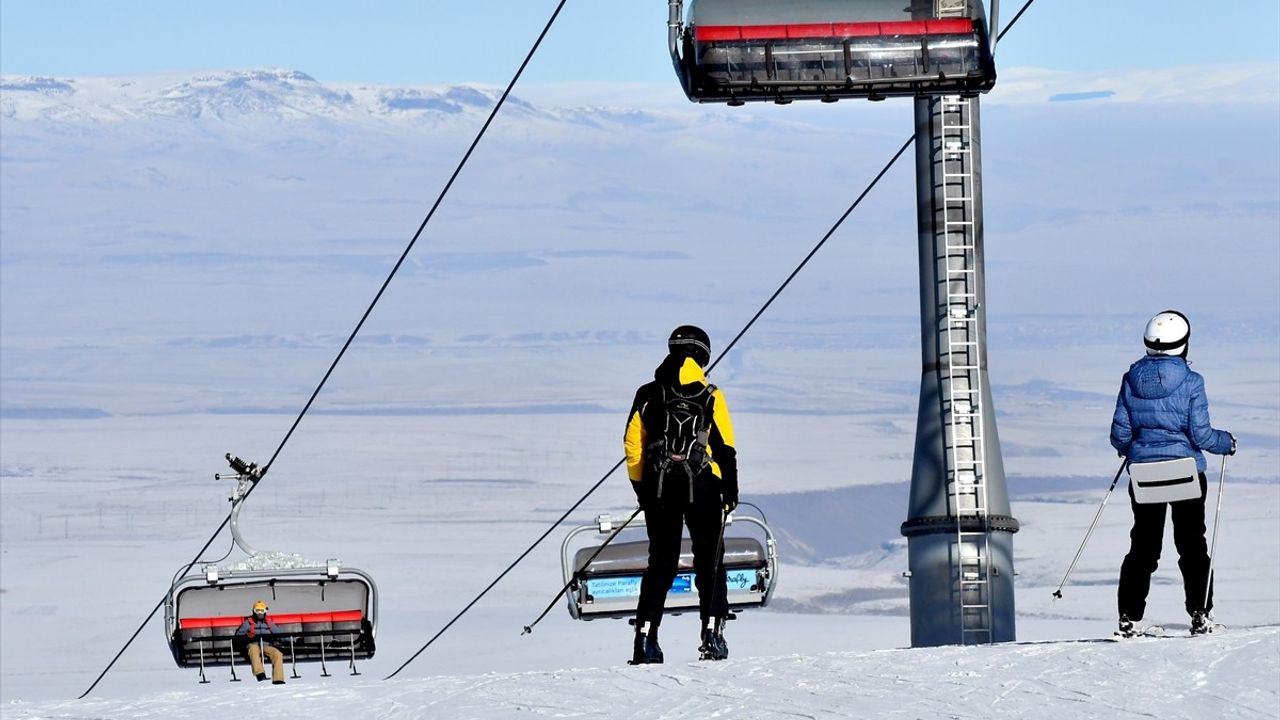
x: 715, y: 569
x: 577, y: 573
x: 1124, y: 462
x: 1208, y: 586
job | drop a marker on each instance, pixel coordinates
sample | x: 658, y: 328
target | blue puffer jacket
x: 1163, y: 414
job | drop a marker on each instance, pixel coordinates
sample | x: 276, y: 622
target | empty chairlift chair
x: 737, y: 51
x: 609, y: 586
x: 324, y: 611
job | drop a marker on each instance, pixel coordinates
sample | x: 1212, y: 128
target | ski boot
x: 646, y: 650
x: 1201, y: 623
x: 713, y: 646
x: 1127, y: 628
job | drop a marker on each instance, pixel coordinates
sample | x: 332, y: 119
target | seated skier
x: 252, y: 630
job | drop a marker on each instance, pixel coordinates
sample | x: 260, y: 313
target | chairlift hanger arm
x: 995, y: 25
x: 675, y: 37
x: 247, y: 476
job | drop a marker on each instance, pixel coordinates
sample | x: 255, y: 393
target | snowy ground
x: 1233, y: 675
x: 97, y: 514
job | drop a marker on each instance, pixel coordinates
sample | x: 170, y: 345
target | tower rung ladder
x: 962, y: 386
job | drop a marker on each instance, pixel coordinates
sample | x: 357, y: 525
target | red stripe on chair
x: 716, y: 33
x: 861, y: 29
x: 763, y: 32
x: 810, y: 30
x: 290, y: 619
x: 723, y: 33
x: 953, y: 26
x: 910, y: 27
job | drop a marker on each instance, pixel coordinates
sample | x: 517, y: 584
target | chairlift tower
x: 959, y: 527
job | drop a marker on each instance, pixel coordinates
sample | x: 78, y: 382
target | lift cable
x: 510, y: 567
x: 618, y: 464
x: 719, y: 357
x: 812, y: 252
x: 1017, y: 16
x: 576, y: 575
x: 439, y: 199
x: 387, y: 282
x: 458, y: 170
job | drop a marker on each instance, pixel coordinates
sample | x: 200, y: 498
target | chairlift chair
x: 738, y: 51
x: 324, y: 611
x: 609, y: 587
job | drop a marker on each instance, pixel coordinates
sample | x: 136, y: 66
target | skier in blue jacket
x: 1162, y: 414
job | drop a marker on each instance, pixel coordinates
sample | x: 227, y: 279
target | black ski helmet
x: 691, y: 341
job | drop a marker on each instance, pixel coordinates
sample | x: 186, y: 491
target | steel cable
x: 396, y: 268
x: 710, y: 367
x: 439, y: 199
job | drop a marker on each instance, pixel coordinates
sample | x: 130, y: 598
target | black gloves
x: 644, y: 493
x: 730, y: 494
x: 1232, y: 451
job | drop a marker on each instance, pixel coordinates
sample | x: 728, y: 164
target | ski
x: 1147, y: 631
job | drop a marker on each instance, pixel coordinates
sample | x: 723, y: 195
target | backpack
x: 680, y: 427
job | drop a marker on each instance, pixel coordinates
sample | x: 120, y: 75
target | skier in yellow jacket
x: 683, y: 468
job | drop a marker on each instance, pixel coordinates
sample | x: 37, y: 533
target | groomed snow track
x: 1235, y: 674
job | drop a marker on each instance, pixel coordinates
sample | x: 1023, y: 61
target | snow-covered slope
x: 1232, y: 675
x: 97, y: 515
x: 182, y: 256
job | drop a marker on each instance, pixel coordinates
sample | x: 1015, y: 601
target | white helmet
x: 1167, y: 334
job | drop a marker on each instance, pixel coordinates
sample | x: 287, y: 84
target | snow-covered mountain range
x: 291, y: 94
x: 239, y: 95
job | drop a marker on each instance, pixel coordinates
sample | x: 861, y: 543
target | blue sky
x: 433, y: 41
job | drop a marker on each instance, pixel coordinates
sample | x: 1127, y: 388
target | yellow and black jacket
x: 686, y: 377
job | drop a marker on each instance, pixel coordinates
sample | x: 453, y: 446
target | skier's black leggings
x: 664, y: 521
x: 1144, y: 553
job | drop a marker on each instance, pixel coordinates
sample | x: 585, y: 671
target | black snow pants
x: 1144, y: 553
x: 664, y: 521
